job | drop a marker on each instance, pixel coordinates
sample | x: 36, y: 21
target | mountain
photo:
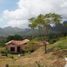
x: 29, y: 32
x: 15, y: 30
x: 58, y: 28
x: 9, y: 31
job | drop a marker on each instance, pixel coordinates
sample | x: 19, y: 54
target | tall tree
x: 32, y: 25
x: 45, y: 20
x: 53, y: 18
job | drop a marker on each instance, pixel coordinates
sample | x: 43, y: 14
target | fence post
x: 6, y: 65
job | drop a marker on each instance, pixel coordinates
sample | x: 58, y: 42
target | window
x: 12, y: 48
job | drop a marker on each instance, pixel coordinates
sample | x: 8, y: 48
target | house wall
x: 9, y: 48
x: 23, y: 46
x: 15, y: 46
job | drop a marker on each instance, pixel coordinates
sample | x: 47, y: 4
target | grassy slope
x: 62, y: 44
x: 54, y: 57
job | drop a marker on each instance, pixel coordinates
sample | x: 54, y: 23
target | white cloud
x: 18, y: 23
x: 29, y: 8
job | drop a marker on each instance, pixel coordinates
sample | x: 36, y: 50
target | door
x: 18, y: 49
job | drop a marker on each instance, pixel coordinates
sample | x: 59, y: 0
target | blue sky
x: 15, y: 13
x: 8, y: 4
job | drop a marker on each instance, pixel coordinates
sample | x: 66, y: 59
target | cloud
x: 31, y: 8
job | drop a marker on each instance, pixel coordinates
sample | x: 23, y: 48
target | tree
x: 53, y: 18
x: 36, y: 22
x: 32, y: 25
x: 45, y: 20
x: 14, y: 37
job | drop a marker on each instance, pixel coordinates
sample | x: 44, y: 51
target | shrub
x: 31, y: 46
x: 4, y: 53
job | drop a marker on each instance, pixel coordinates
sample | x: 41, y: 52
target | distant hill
x: 15, y: 30
x: 59, y: 28
x: 9, y: 31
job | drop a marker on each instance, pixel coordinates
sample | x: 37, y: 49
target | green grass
x: 37, y: 55
x: 62, y: 44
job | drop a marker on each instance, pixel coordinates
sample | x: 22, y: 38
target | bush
x: 31, y: 46
x: 2, y: 43
x: 4, y: 53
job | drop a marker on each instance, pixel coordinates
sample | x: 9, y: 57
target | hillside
x: 53, y: 58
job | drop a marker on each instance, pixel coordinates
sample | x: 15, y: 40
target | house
x: 16, y: 46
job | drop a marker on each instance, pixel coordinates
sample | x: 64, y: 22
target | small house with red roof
x: 16, y: 46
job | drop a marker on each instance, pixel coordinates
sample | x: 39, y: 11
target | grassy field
x: 53, y: 58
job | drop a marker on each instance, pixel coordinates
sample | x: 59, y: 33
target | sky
x: 15, y: 13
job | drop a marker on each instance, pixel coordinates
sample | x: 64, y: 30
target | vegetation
x: 53, y: 52
x: 2, y: 43
x: 32, y: 46
x: 62, y: 44
x: 33, y: 54
x: 42, y: 21
x: 14, y: 37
